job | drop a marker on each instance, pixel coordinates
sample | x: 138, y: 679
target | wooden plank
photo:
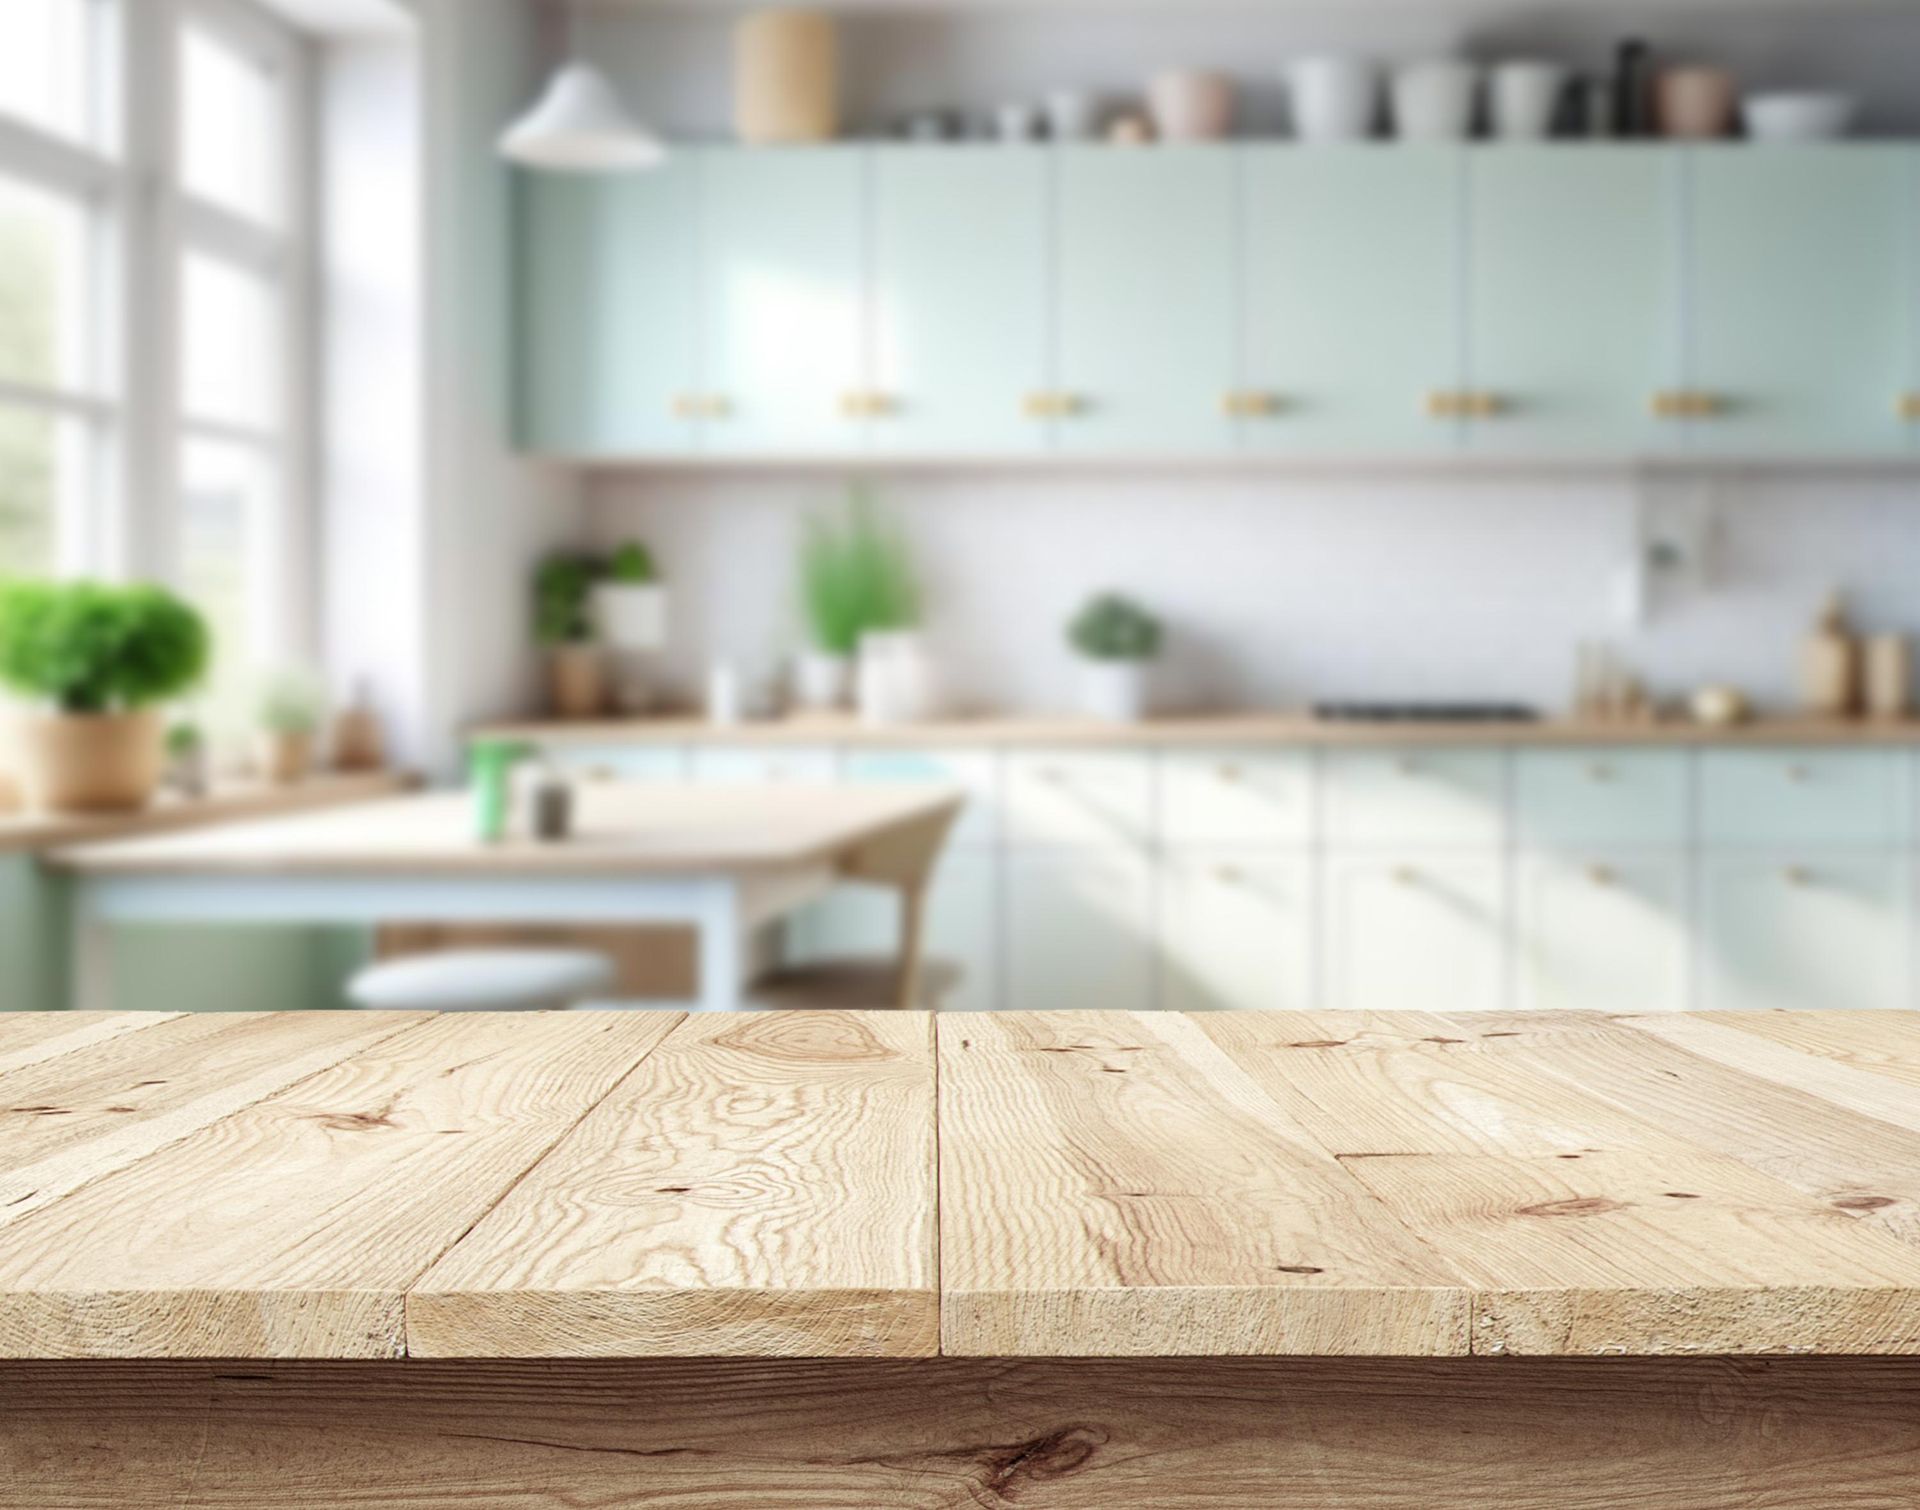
x: 1882, y: 1043
x: 762, y: 1185
x: 1112, y: 1183
x: 1586, y: 1229
x: 961, y: 1434
x: 293, y: 1228
x: 84, y: 1115
x: 29, y: 1038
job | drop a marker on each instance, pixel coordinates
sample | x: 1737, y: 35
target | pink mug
x: 1695, y: 104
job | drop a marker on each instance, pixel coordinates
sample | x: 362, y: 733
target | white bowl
x: 1803, y: 116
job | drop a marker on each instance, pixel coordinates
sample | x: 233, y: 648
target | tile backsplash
x: 1279, y: 589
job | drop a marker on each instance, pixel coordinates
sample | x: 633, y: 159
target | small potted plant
x: 98, y: 662
x: 291, y: 707
x: 563, y: 621
x: 630, y: 614
x: 187, y: 759
x: 860, y: 598
x: 1117, y: 640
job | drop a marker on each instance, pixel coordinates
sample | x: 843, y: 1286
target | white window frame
x: 129, y: 176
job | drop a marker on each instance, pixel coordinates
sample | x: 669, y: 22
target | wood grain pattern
x: 1112, y: 1183
x: 77, y: 1117
x: 294, y: 1227
x: 618, y: 830
x: 762, y: 1185
x: 28, y: 1038
x: 958, y: 1434
x: 1884, y: 1043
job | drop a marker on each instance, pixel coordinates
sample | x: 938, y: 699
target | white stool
x: 483, y: 980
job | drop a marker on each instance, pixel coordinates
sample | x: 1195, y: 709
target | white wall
x: 1281, y: 589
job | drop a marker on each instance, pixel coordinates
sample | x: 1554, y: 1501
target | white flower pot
x: 822, y: 683
x: 895, y: 679
x: 1436, y: 101
x: 1114, y: 692
x: 631, y: 616
x: 1335, y: 99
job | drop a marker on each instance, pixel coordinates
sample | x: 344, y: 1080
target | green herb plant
x: 632, y: 566
x: 1115, y: 628
x: 291, y: 702
x: 856, y: 576
x: 562, y: 590
x: 90, y: 648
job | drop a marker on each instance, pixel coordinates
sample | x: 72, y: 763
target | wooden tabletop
x: 361, y: 1185
x: 618, y: 829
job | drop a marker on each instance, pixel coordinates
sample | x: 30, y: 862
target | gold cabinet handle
x: 1796, y: 875
x: 688, y: 406
x: 1910, y: 408
x: 1051, y: 405
x: 1600, y: 771
x: 1228, y: 875
x: 1485, y: 405
x: 1686, y: 403
x: 1798, y: 774
x: 865, y: 403
x: 1406, y: 875
x: 715, y: 406
x: 1600, y: 875
x: 1446, y: 403
x: 1245, y: 403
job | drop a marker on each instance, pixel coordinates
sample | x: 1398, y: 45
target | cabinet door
x: 1800, y: 284
x: 1080, y: 799
x: 636, y: 763
x: 607, y: 334
x: 1415, y: 797
x: 775, y: 765
x: 783, y: 298
x: 1236, y: 797
x: 1145, y: 304
x: 961, y: 927
x: 1574, y: 261
x: 1079, y: 933
x: 1236, y: 931
x: 1803, y: 932
x: 1805, y: 797
x: 1415, y: 933
x: 1573, y: 798
x: 959, y: 298
x: 1352, y: 270
x: 1605, y: 934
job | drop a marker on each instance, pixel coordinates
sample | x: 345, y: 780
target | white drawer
x: 1236, y: 931
x: 1236, y: 797
x: 1599, y: 796
x: 1603, y: 932
x: 1078, y: 799
x: 620, y: 762
x: 1415, y: 933
x: 1790, y: 797
x: 1079, y: 933
x: 752, y: 765
x: 1415, y: 796
x: 976, y: 772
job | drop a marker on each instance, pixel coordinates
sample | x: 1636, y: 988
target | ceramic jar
x: 1694, y: 104
x: 1436, y: 101
x: 1189, y: 105
x: 786, y: 78
x: 1526, y: 99
x: 1073, y: 115
x: 1335, y: 99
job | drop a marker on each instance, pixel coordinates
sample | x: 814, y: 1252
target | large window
x: 155, y: 284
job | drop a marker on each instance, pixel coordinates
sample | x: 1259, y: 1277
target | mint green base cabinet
x: 959, y: 303
x: 1802, y: 288
x: 1806, y: 930
x: 608, y: 352
x: 1079, y: 932
x: 1573, y: 298
x: 34, y: 937
x: 1602, y: 932
x: 1403, y: 932
x: 1144, y: 299
x: 1236, y: 931
x: 782, y: 268
x: 1351, y: 265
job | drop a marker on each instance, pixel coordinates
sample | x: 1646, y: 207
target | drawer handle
x: 1797, y: 875
x: 1228, y: 875
x: 1051, y: 405
x: 1600, y: 875
x: 1406, y: 875
x: 1798, y: 774
x: 1686, y: 403
x: 1228, y: 773
x: 1910, y: 408
x: 1407, y: 766
x: 1250, y: 404
x: 1600, y: 771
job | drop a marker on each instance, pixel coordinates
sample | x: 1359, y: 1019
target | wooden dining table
x: 1075, y: 1260
x: 725, y: 861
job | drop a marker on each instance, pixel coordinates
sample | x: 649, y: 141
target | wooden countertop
x: 361, y: 1185
x: 618, y: 829
x: 1222, y: 730
x: 172, y: 814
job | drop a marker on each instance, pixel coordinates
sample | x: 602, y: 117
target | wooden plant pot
x: 89, y: 762
x: 577, y: 681
x: 284, y: 757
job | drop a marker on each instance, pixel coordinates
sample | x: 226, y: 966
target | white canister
x: 1114, y: 692
x: 786, y: 77
x: 1016, y: 121
x: 1073, y: 115
x: 1526, y: 99
x: 1335, y: 99
x: 1436, y: 101
x: 822, y: 682
x: 895, y: 679
x: 1190, y: 105
x: 724, y: 700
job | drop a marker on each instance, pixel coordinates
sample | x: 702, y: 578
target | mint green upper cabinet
x: 607, y: 338
x: 1800, y: 281
x: 783, y: 294
x: 1573, y: 297
x: 959, y: 303
x: 1144, y: 298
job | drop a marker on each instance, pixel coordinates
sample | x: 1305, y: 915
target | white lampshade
x: 580, y: 126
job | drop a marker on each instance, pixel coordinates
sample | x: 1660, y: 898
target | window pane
x: 46, y: 482
x: 229, y: 345
x: 227, y: 495
x: 230, y: 127
x: 47, y: 64
x: 45, y: 279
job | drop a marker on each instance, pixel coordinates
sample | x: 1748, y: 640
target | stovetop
x: 1426, y: 713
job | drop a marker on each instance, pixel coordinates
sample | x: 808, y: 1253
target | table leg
x: 92, y: 957
x: 723, y: 950
x: 913, y: 928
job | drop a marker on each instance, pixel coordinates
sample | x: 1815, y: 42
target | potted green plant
x: 98, y: 661
x: 1117, y: 641
x: 630, y: 615
x: 290, y: 710
x: 860, y: 597
x: 563, y: 621
x: 186, y: 769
